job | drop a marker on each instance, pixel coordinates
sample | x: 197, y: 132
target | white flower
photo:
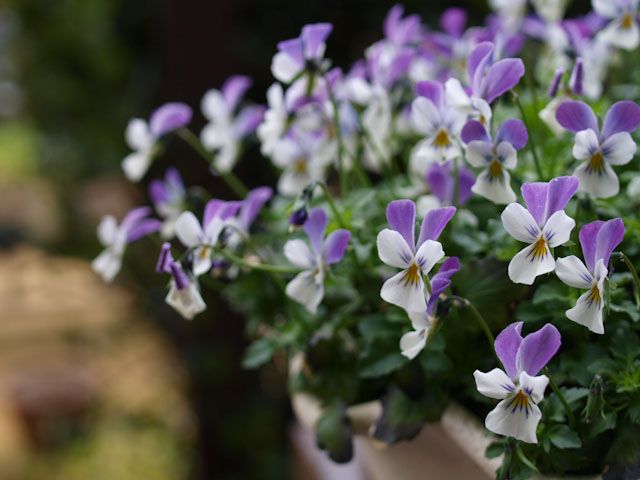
x: 142, y: 142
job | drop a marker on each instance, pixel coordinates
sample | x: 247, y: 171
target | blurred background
x: 106, y: 382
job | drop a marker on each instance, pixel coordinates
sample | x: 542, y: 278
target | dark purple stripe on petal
x: 506, y: 345
x: 576, y: 116
x: 537, y: 349
x: 623, y: 116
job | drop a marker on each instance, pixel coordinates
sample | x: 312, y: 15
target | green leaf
x: 494, y: 450
x: 258, y: 353
x: 627, y: 307
x: 563, y: 437
x: 383, y: 366
x: 333, y: 432
x: 401, y: 419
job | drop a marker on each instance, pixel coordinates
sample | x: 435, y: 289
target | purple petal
x: 514, y: 132
x: 315, y: 226
x: 577, y: 77
x: 576, y: 116
x: 335, y: 246
x: 401, y: 216
x: 537, y: 349
x: 234, y: 89
x: 535, y: 198
x: 474, y: 130
x: 623, y: 116
x: 433, y: 91
x: 211, y: 210
x: 441, y: 281
x: 401, y: 31
x: 294, y: 49
x: 588, y: 238
x: 440, y: 181
x: 248, y: 119
x: 478, y: 58
x: 560, y: 191
x: 501, y: 77
x: 169, y: 117
x: 157, y: 192
x: 173, y: 179
x: 135, y: 216
x: 453, y: 21
x: 399, y: 66
x: 179, y: 277
x: 313, y: 36
x: 466, y: 179
x: 253, y: 204
x: 434, y: 222
x: 165, y: 259
x: 143, y: 228
x: 392, y: 20
x: 609, y: 237
x: 507, y: 345
x: 229, y: 209
x: 555, y: 82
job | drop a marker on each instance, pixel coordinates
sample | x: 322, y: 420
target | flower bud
x: 298, y: 217
x: 595, y: 401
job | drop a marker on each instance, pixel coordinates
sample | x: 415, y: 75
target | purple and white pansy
x: 249, y: 210
x: 542, y: 225
x: 135, y: 225
x: 599, y: 149
x: 518, y: 387
x: 622, y: 30
x: 598, y: 240
x: 169, y: 198
x: 202, y: 239
x: 307, y: 287
x: 495, y: 157
x: 227, y: 125
x: 142, y: 137
x: 412, y: 343
x: 397, y: 248
x: 440, y: 179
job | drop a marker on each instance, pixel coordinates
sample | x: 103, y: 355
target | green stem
x: 230, y: 178
x: 481, y: 321
x: 563, y: 400
x: 634, y: 274
x: 332, y: 204
x: 261, y: 267
x: 456, y: 182
x: 532, y: 143
x: 342, y: 171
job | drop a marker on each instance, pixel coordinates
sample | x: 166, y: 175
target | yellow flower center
x: 594, y: 296
x: 539, y: 250
x: 412, y: 275
x: 520, y: 401
x: 442, y: 139
x: 482, y: 119
x: 627, y: 21
x: 495, y: 170
x: 596, y: 163
x: 300, y: 166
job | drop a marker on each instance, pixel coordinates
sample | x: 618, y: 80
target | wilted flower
x: 518, y: 386
x: 598, y: 240
x: 184, y: 293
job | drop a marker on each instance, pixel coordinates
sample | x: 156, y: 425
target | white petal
x: 426, y: 203
x: 291, y: 183
x: 618, y: 36
x: 188, y: 229
x: 429, y: 253
x: 456, y: 95
x: 535, y: 385
x: 214, y: 228
x: 107, y: 230
x: 137, y: 135
x: 600, y: 185
x: 588, y: 313
x: 135, y: 165
x: 523, y: 268
x: 482, y: 109
x: 507, y: 154
x: 187, y: 302
x: 572, y: 271
x: 107, y: 264
x: 548, y: 115
x: 412, y: 343
x: 202, y: 260
x: 425, y: 116
x: 606, y: 8
x: 407, y: 295
x: 558, y: 228
x: 214, y: 107
x: 420, y: 320
x: 284, y: 68
x: 518, y: 423
x: 619, y: 148
x: 299, y: 253
x: 586, y: 144
x: 479, y: 153
x: 519, y: 223
x: 499, y: 192
x: 494, y: 384
x: 393, y: 249
x: 422, y: 156
x: 305, y: 290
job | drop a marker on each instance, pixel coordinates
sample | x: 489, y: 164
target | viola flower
x: 274, y: 125
x: 169, y: 198
x: 622, y: 30
x: 559, y: 93
x: 184, y: 293
x: 543, y: 225
x: 599, y: 149
x: 412, y: 343
x: 226, y: 129
x: 438, y: 122
x: 397, y: 248
x: 202, y: 239
x: 135, y: 225
x: 598, y: 240
x: 302, y: 54
x: 307, y: 288
x: 518, y: 387
x: 142, y: 137
x: 441, y: 183
x: 490, y: 79
x: 495, y: 156
x: 249, y: 210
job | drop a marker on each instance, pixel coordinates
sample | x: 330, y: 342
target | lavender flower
x: 169, y: 199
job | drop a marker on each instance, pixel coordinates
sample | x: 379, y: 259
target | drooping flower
x: 142, y: 137
x: 598, y: 240
x: 542, y: 225
x: 518, y: 387
x: 495, y: 156
x: 599, y: 149
x: 623, y: 30
x: 202, y: 239
x: 307, y: 287
x: 412, y: 343
x: 184, y: 293
x: 169, y: 199
x: 397, y: 248
x: 438, y: 123
x: 227, y: 125
x: 490, y: 79
x: 135, y: 225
